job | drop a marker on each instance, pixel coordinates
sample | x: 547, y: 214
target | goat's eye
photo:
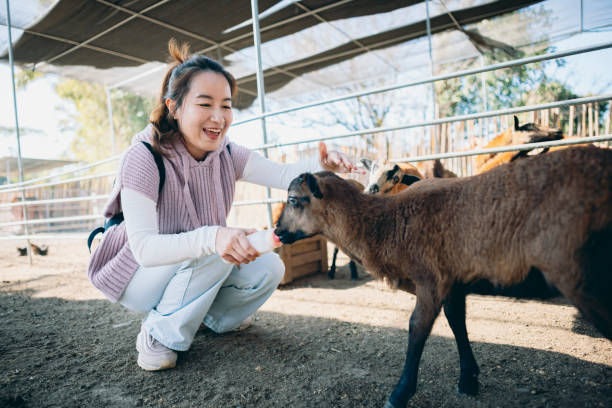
x: 395, y: 179
x: 293, y: 201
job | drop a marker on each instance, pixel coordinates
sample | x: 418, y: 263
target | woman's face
x: 206, y: 113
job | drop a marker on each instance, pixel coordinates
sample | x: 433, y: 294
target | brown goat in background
x: 388, y: 177
x: 439, y: 237
x: 528, y: 133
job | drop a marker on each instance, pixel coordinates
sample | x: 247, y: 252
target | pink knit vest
x: 209, y: 183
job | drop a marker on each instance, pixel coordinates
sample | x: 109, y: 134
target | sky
x: 39, y: 107
x: 590, y: 72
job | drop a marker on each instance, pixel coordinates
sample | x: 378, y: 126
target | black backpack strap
x: 92, y: 235
x: 118, y: 218
x: 160, y: 165
x: 114, y: 220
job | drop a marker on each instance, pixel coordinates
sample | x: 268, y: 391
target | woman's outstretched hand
x: 336, y: 161
x: 233, y: 246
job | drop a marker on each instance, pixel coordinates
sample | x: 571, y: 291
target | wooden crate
x: 304, y: 257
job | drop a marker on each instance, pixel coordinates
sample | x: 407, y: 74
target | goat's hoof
x: 468, y: 386
x: 399, y: 399
x: 331, y: 275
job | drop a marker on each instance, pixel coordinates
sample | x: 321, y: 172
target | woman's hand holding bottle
x: 243, y: 245
x: 233, y: 246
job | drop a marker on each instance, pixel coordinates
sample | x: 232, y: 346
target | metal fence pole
x: 261, y: 92
x: 431, y: 68
x: 19, y: 163
x: 109, y: 107
x: 581, y: 16
x: 484, y: 123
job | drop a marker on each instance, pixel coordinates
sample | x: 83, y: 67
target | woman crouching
x: 173, y: 255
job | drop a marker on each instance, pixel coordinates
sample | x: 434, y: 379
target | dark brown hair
x: 176, y: 85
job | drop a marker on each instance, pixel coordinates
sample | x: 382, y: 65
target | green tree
x: 93, y: 139
x: 25, y: 76
x: 511, y: 87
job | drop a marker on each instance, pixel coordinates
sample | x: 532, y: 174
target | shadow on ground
x: 342, y: 281
x: 59, y: 353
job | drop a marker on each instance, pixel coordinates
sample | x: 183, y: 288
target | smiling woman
x: 173, y: 255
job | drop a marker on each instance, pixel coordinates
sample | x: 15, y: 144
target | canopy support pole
x: 431, y: 68
x: 23, y: 198
x: 109, y: 107
x: 261, y: 92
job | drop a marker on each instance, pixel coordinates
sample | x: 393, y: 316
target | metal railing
x: 5, y: 187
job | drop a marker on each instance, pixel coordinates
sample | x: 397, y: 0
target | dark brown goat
x: 551, y: 212
x: 390, y: 179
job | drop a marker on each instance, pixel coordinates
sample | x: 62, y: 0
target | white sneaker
x: 152, y: 355
x: 246, y: 323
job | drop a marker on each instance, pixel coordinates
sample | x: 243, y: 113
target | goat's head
x: 389, y: 178
x: 533, y: 133
x: 305, y: 212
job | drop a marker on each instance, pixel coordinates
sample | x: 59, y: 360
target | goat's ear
x: 367, y: 163
x: 313, y: 185
x: 516, y: 123
x: 396, y: 168
x: 408, y: 179
x: 438, y: 169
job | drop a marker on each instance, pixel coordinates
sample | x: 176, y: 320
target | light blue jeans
x: 180, y: 297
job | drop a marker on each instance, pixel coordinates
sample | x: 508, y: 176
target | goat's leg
x: 332, y: 268
x: 454, y: 309
x: 353, y: 268
x: 587, y: 282
x: 592, y: 297
x: 421, y: 321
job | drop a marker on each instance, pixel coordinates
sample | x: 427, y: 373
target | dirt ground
x: 315, y: 343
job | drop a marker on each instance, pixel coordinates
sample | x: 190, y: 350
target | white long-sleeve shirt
x: 150, y: 248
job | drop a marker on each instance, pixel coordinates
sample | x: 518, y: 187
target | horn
x: 367, y: 163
